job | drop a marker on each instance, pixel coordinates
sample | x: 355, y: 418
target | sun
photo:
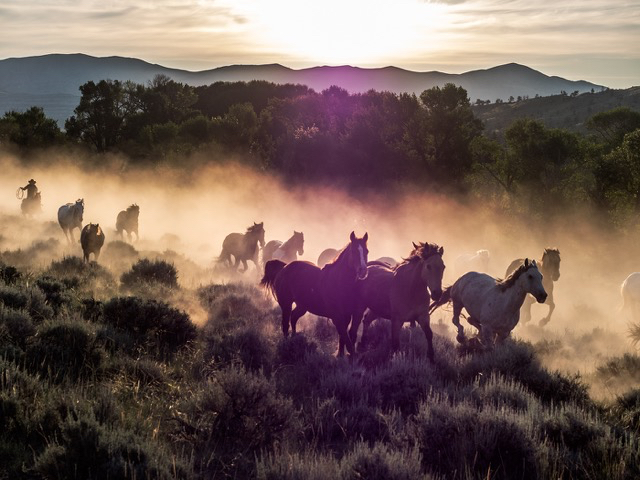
x: 344, y: 31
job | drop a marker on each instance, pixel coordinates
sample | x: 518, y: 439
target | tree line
x: 372, y: 140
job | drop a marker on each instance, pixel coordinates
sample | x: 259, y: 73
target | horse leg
x: 526, y: 309
x: 286, y: 315
x: 341, y: 325
x: 298, y: 312
x: 552, y: 307
x: 369, y: 317
x: 245, y: 265
x: 424, y: 322
x: 457, y: 310
x: 356, y: 319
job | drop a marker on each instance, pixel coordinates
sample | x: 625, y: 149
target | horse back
x: 373, y: 291
x: 299, y: 282
x: 513, y: 266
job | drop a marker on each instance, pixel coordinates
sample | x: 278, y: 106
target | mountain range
x: 52, y: 81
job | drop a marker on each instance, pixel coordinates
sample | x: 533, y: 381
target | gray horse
x: 70, y: 217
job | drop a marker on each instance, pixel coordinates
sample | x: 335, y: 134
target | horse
x: 31, y: 206
x: 327, y: 292
x: 630, y: 291
x: 92, y: 240
x: 472, y: 262
x: 127, y: 220
x: 550, y: 269
x: 243, y: 246
x: 327, y: 255
x: 287, y: 251
x: 392, y: 262
x: 493, y: 305
x: 400, y: 293
x: 70, y: 217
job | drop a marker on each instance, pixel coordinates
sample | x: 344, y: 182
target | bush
x: 233, y: 418
x: 459, y: 441
x: 18, y: 324
x: 9, y: 274
x: 251, y: 348
x: 154, y: 326
x: 87, y: 449
x: 65, y: 351
x: 56, y: 292
x: 89, y: 277
x: 625, y: 411
x: 150, y: 272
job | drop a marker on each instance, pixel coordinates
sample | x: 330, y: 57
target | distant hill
x: 557, y: 111
x: 52, y: 81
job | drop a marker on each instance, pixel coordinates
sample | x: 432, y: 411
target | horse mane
x: 422, y: 251
x: 552, y: 252
x: 287, y: 244
x: 513, y: 278
x: 342, y: 253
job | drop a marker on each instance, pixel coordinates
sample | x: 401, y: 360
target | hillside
x: 557, y: 111
x: 53, y: 80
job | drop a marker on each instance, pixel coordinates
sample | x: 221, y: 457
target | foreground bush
x: 154, y: 327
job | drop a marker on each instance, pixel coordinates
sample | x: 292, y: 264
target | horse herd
x: 349, y: 289
x: 92, y: 237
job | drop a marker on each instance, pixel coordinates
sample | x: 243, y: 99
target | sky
x: 593, y: 40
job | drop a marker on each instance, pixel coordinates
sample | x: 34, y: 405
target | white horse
x: 70, y: 217
x: 287, y: 251
x: 493, y: 305
x: 630, y: 291
x: 472, y: 262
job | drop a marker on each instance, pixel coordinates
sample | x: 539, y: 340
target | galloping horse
x: 70, y: 217
x: 550, y: 269
x: 630, y: 291
x: 127, y: 220
x: 401, y: 293
x: 243, y: 246
x: 472, y: 262
x: 327, y: 292
x: 493, y: 305
x: 286, y: 251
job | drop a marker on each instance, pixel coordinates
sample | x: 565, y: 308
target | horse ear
x: 533, y: 262
x: 441, y: 250
x: 352, y: 237
x: 366, y: 236
x: 526, y: 262
x: 414, y: 245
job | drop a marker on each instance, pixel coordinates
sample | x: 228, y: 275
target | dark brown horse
x: 549, y: 266
x: 243, y: 246
x: 327, y: 292
x: 127, y: 220
x: 287, y: 251
x: 401, y: 293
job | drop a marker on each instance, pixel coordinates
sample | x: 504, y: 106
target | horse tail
x: 271, y: 270
x: 444, y: 298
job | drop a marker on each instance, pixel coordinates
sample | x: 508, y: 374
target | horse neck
x: 288, y: 246
x: 413, y: 271
x: 514, y: 296
x: 341, y: 266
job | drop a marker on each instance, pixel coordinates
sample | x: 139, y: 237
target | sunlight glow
x: 345, y: 31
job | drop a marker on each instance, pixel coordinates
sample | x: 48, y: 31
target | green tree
x: 102, y: 114
x: 31, y: 128
x: 611, y: 126
x: 451, y: 125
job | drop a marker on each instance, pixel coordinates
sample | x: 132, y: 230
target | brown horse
x: 287, y: 251
x: 402, y: 293
x: 243, y: 246
x: 549, y: 266
x: 327, y: 292
x: 127, y: 220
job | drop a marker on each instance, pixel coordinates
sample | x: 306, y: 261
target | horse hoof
x: 461, y: 338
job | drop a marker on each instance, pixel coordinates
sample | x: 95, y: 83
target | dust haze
x: 191, y: 212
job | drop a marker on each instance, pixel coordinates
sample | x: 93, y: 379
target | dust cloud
x: 190, y: 211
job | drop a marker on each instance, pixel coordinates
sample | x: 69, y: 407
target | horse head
x: 358, y: 254
x: 258, y: 230
x: 531, y: 279
x: 78, y: 209
x: 298, y: 242
x: 551, y: 262
x: 433, y: 266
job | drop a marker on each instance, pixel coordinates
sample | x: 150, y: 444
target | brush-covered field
x: 147, y: 365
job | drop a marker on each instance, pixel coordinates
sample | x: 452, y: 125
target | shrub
x: 625, y: 411
x: 13, y: 297
x: 459, y: 441
x: 19, y: 325
x: 65, y: 351
x: 233, y: 418
x: 147, y: 271
x: 89, y: 277
x: 9, y: 274
x: 56, y: 292
x: 154, y: 326
x: 382, y: 462
x: 250, y: 347
x: 87, y: 449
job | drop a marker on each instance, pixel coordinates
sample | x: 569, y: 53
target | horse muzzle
x: 362, y: 274
x: 541, y: 297
x: 436, y: 294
